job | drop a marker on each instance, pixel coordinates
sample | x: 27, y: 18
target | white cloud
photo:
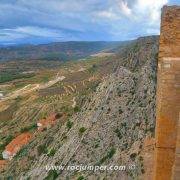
x: 79, y: 19
x: 37, y: 31
x: 115, y: 10
x: 61, y: 6
x: 18, y: 33
x: 150, y: 9
x: 107, y: 14
x: 7, y: 35
x: 124, y: 8
x: 152, y: 31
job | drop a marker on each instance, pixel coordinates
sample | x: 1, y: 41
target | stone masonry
x: 167, y: 151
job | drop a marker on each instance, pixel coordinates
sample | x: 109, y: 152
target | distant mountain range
x: 57, y: 51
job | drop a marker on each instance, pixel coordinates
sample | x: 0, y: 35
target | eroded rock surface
x: 168, y: 97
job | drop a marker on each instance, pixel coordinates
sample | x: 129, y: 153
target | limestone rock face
x: 169, y: 43
x: 168, y: 97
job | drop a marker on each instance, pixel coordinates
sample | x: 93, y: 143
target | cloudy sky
x: 43, y: 21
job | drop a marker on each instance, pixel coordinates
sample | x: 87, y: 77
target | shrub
x: 120, y: 111
x: 2, y: 146
x: 141, y: 104
x: 96, y: 145
x: 109, y: 155
x: 93, y: 68
x: 118, y: 132
x: 23, y: 152
x: 133, y: 156
x: 9, y: 139
x: 141, y: 158
x: 128, y: 102
x: 29, y: 128
x: 142, y: 171
x: 1, y: 157
x: 109, y: 110
x: 51, y: 152
x: 10, y: 178
x: 125, y: 145
x: 152, y: 129
x: 66, y: 109
x: 77, y: 109
x: 42, y: 149
x: 80, y: 178
x: 82, y: 130
x: 52, y: 174
x: 132, y: 91
x: 69, y: 124
x: 123, y: 124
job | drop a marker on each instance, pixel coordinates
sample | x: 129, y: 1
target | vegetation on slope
x: 116, y: 101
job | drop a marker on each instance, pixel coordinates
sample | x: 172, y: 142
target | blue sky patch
x: 44, y: 21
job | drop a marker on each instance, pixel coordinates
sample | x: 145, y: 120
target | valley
x: 58, y: 89
x: 100, y: 99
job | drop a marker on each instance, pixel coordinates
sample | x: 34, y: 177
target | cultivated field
x: 37, y: 90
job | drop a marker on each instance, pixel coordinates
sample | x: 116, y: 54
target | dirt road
x: 32, y: 87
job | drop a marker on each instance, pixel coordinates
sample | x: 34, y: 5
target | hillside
x: 55, y: 51
x: 113, y: 114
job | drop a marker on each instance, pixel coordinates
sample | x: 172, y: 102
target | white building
x: 1, y: 95
x: 7, y: 155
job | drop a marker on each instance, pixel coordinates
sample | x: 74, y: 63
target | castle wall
x: 167, y: 151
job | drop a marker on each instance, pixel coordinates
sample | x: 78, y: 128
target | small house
x: 15, y: 145
x: 48, y: 122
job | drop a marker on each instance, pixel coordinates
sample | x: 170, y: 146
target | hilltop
x: 61, y: 51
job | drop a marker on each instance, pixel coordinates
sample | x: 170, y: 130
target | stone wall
x: 167, y: 154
